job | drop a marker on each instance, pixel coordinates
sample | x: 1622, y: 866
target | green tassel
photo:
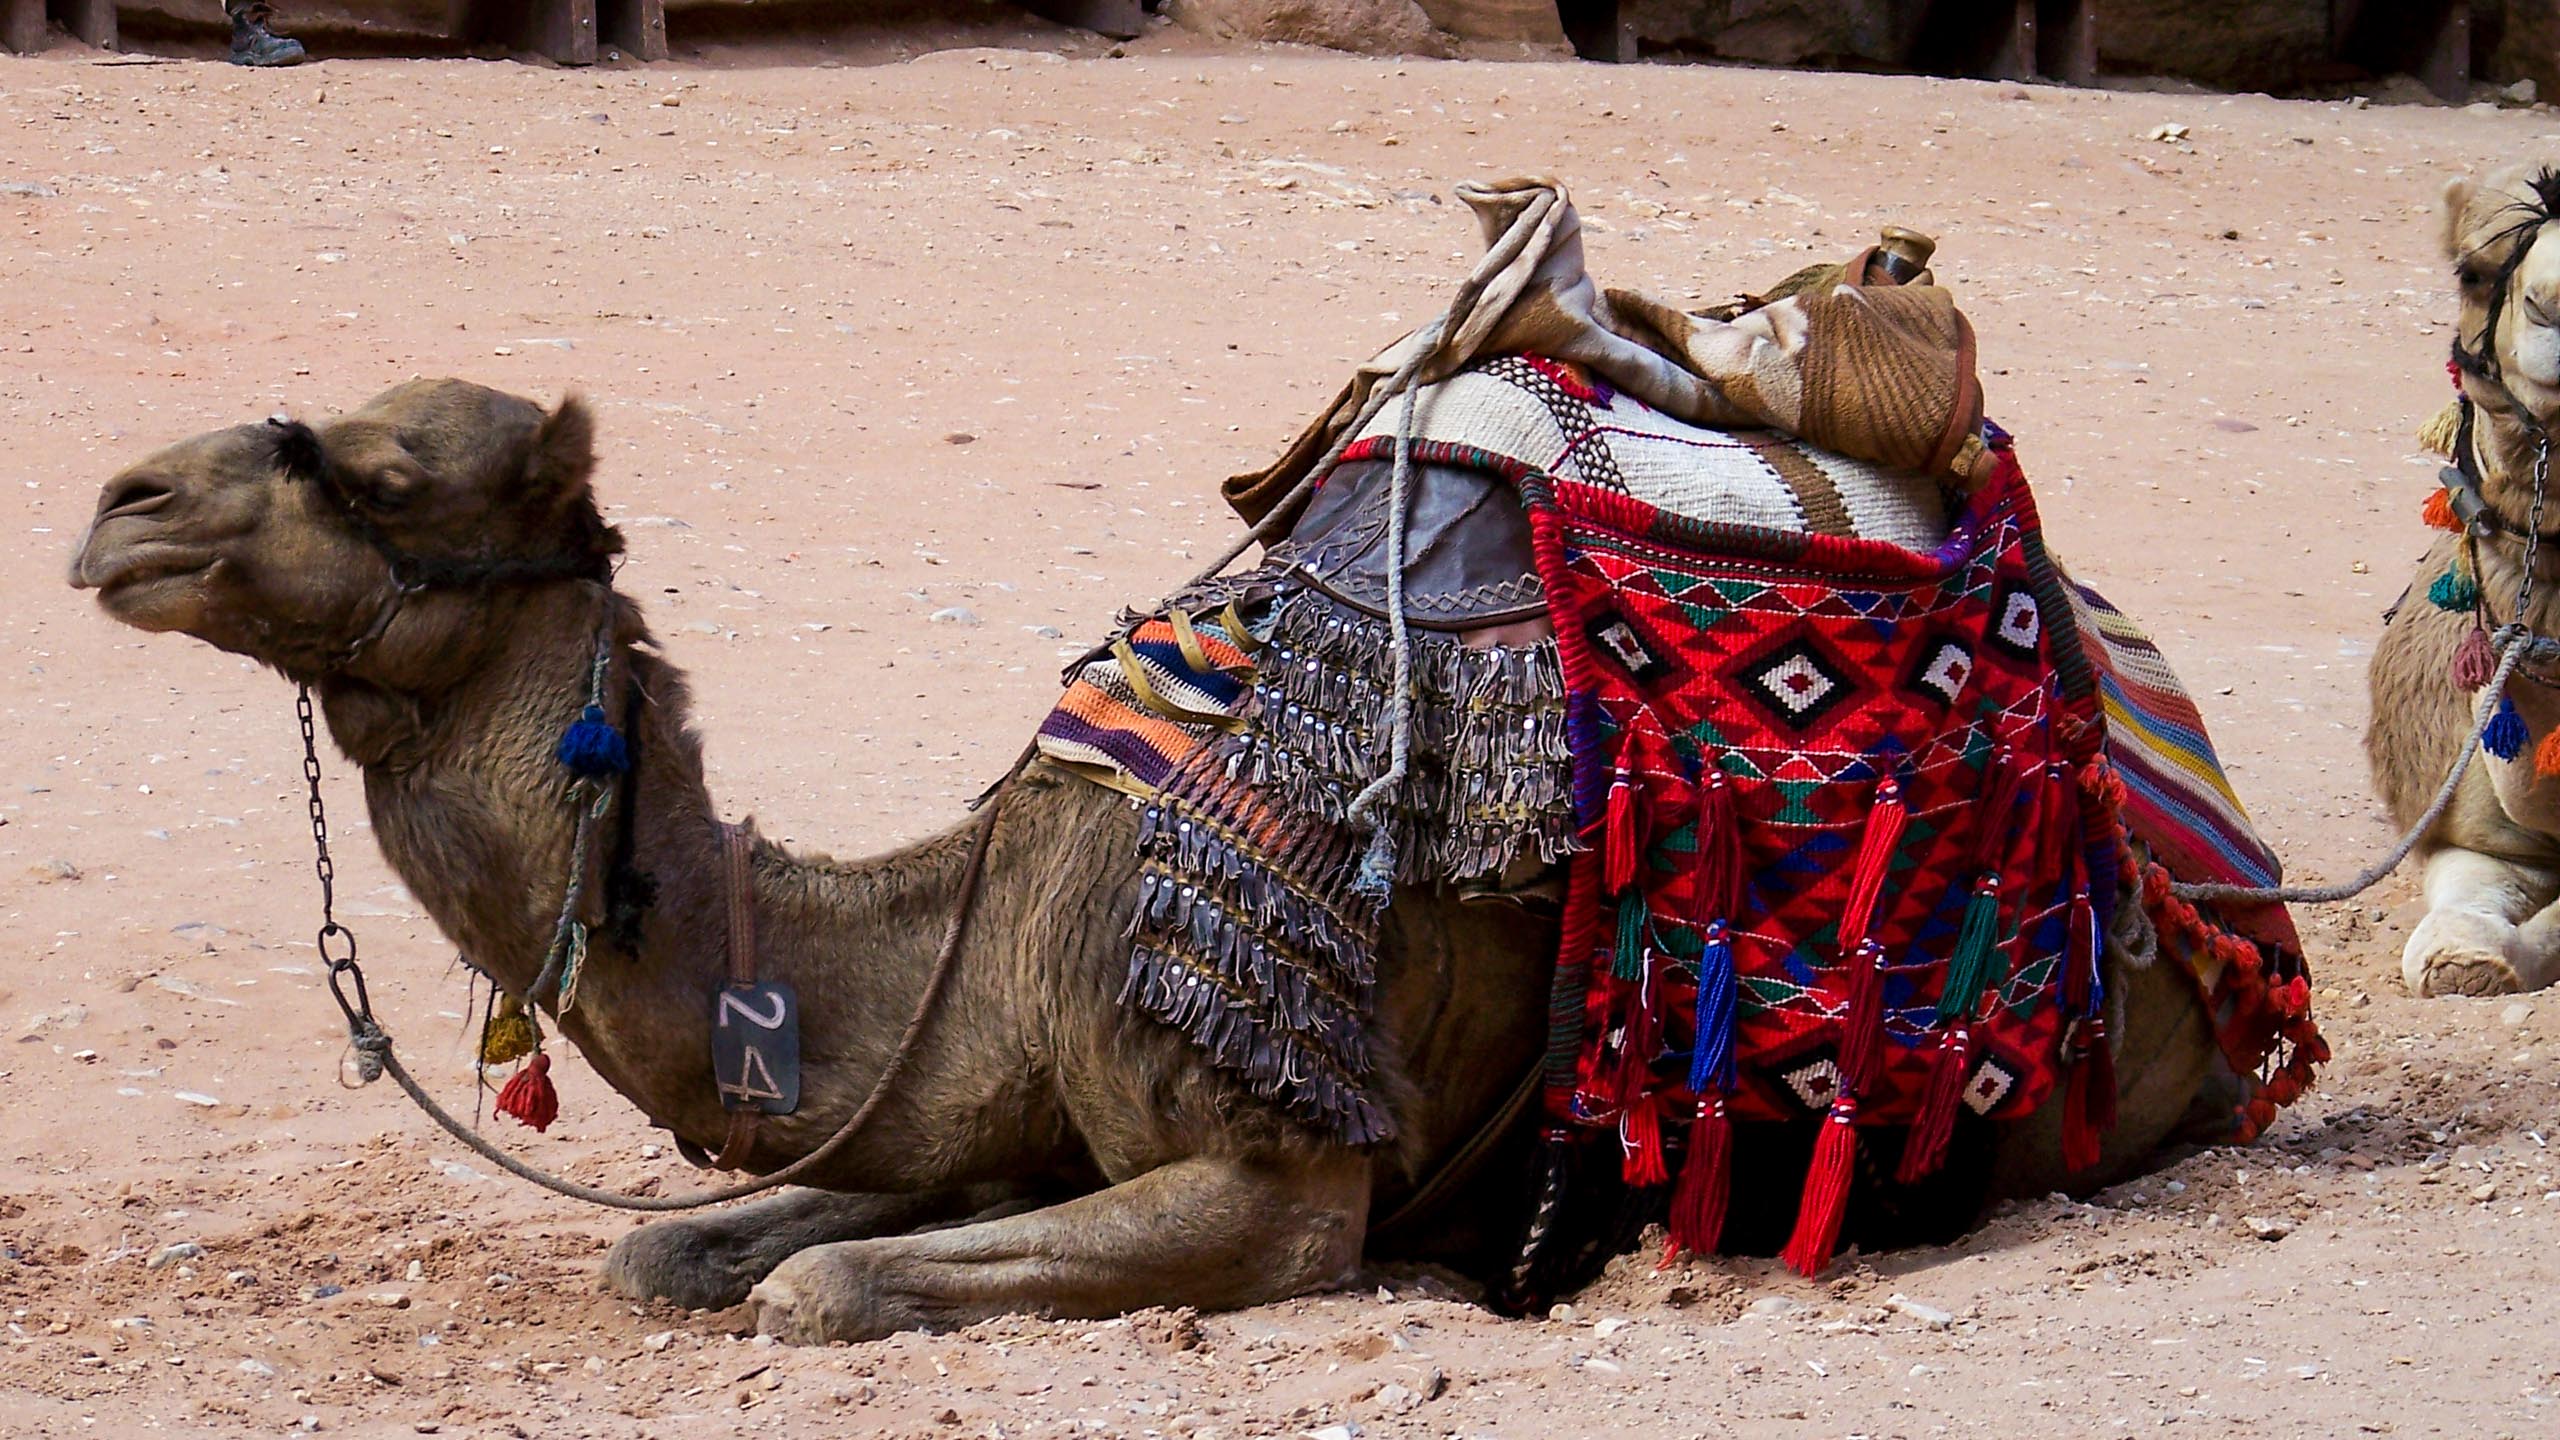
x: 2454, y: 591
x: 1631, y: 938
x: 1976, y: 961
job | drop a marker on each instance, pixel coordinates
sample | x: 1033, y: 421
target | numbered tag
x: 755, y: 1048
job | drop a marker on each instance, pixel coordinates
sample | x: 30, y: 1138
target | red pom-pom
x: 529, y: 1096
x: 2438, y: 511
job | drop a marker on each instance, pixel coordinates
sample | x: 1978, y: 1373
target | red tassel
x: 1642, y: 1130
x: 1826, y: 1192
x: 1618, y: 844
x: 2474, y: 662
x: 1875, y: 857
x: 2438, y: 511
x: 1924, y: 1149
x: 529, y: 1096
x: 1862, y: 1022
x: 1706, y: 1182
x: 1719, y: 857
x: 2089, y: 1099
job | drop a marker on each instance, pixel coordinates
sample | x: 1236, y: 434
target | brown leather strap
x: 736, y: 850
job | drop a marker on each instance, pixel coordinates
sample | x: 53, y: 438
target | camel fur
x: 1048, y: 1150
x: 2492, y: 863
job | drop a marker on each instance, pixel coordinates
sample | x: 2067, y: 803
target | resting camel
x: 2492, y: 863
x: 1047, y: 1150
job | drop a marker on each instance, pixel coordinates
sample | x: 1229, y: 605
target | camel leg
x: 708, y: 1262
x: 2470, y: 942
x: 1213, y: 1232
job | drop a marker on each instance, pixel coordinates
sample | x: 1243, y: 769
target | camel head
x: 2506, y: 257
x: 298, y: 547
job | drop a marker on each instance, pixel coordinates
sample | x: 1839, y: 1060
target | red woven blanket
x: 1840, y: 862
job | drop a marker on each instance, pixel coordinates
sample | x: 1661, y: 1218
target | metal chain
x: 345, y: 974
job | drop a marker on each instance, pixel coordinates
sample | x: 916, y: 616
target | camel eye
x: 2471, y: 276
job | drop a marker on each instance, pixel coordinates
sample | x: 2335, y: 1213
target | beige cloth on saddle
x: 1880, y: 373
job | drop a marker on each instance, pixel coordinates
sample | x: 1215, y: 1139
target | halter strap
x: 736, y: 849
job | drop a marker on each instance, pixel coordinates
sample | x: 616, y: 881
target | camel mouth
x: 126, y: 580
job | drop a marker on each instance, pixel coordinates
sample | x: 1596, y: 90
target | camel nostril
x: 136, y: 497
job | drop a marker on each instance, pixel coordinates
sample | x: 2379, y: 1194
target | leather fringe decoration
x: 2505, y: 734
x: 529, y: 1096
x: 1826, y: 1192
x: 2474, y: 660
x: 1924, y: 1149
x: 1706, y: 1183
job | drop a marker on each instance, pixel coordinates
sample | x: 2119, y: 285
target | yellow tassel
x: 2436, y: 436
x: 510, y: 1036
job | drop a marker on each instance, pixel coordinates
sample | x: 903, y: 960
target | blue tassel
x: 2453, y: 590
x: 593, y: 748
x: 2505, y: 735
x: 1711, y: 1063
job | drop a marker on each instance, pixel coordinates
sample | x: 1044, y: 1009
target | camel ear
x: 564, y: 449
x: 564, y: 464
x: 2450, y: 209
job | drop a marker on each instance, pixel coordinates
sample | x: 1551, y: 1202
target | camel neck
x: 473, y: 811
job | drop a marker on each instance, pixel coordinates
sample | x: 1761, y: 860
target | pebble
x: 2265, y: 1228
x: 1397, y: 1398
x: 657, y: 1342
x: 257, y: 1369
x: 392, y: 1299
x: 2488, y: 1191
x: 171, y: 1254
x: 197, y: 1099
x: 29, y: 188
x: 1776, y: 1305
x: 1335, y: 1432
x: 1610, y: 1326
x: 1561, y: 1314
x: 1929, y: 1315
x: 2515, y: 1014
x: 954, y: 615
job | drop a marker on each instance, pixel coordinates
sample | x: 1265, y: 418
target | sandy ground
x: 981, y: 329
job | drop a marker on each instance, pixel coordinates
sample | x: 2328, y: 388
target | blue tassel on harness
x: 1711, y: 1063
x: 593, y: 748
x: 2505, y: 735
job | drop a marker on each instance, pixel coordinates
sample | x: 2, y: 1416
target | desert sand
x: 880, y: 330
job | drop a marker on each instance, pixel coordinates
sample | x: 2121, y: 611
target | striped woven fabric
x: 1167, y: 686
x: 2176, y: 797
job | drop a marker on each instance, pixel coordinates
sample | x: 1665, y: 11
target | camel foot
x: 709, y: 1262
x: 2454, y: 952
x: 2467, y: 972
x: 826, y: 1295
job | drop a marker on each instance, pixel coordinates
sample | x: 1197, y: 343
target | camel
x: 1046, y: 1150
x: 2492, y: 862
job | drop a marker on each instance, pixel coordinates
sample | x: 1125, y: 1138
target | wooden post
x: 637, y: 28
